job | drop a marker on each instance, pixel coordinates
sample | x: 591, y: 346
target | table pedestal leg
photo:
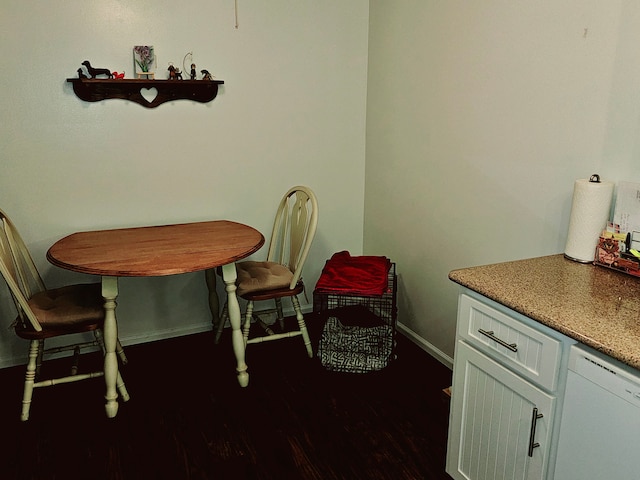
x: 110, y: 329
x: 229, y: 277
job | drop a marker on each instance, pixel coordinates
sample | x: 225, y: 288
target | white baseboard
x: 126, y: 341
x: 435, y: 352
x: 182, y: 330
x: 166, y: 334
x: 206, y: 326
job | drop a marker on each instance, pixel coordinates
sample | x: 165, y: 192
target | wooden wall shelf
x: 135, y: 90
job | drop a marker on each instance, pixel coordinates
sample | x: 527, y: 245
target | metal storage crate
x: 359, y: 331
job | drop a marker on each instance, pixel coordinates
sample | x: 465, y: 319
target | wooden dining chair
x: 280, y: 275
x: 46, y: 313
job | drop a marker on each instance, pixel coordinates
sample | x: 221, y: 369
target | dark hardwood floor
x: 189, y: 419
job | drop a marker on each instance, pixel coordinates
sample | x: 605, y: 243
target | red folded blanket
x: 361, y: 275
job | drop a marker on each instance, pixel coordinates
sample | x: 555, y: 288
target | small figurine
x: 193, y: 71
x: 81, y: 74
x: 206, y: 75
x: 174, y: 73
x: 94, y: 72
x: 118, y: 76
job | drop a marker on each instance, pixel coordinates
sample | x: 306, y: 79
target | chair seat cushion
x: 69, y: 305
x: 261, y: 276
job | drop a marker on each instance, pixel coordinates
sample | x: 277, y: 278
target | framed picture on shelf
x: 144, y: 59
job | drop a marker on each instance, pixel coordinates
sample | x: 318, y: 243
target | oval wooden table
x: 158, y: 251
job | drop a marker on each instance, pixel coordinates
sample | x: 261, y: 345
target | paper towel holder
x: 583, y: 257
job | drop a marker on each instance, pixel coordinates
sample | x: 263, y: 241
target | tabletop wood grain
x: 156, y: 250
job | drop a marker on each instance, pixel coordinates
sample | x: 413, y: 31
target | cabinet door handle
x: 511, y: 346
x: 532, y: 434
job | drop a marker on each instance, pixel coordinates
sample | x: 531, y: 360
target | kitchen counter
x: 593, y: 305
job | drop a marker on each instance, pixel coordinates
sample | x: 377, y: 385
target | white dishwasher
x: 600, y: 426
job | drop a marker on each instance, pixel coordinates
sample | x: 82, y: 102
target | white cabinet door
x: 500, y: 424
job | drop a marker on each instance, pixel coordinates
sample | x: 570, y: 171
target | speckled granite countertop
x: 593, y: 305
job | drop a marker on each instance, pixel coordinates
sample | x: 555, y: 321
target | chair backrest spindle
x: 293, y: 230
x: 19, y: 270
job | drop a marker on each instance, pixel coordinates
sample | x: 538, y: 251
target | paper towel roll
x: 590, y: 211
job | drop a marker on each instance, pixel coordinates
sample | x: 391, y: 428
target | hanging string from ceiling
x: 236, y: 13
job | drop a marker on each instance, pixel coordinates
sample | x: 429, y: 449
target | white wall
x: 480, y: 117
x: 291, y: 111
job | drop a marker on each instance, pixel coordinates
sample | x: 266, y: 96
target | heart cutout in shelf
x: 149, y: 94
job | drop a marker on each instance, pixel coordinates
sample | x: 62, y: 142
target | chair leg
x: 122, y: 389
x: 214, y: 302
x: 264, y: 326
x: 120, y: 352
x: 280, y: 313
x: 247, y: 323
x: 302, y: 325
x: 40, y: 358
x: 221, y: 321
x: 34, y: 355
x: 76, y: 360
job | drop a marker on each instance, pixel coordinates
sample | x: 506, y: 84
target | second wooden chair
x: 46, y: 313
x: 280, y: 275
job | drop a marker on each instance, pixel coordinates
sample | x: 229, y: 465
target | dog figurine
x: 94, y: 72
x: 174, y: 73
